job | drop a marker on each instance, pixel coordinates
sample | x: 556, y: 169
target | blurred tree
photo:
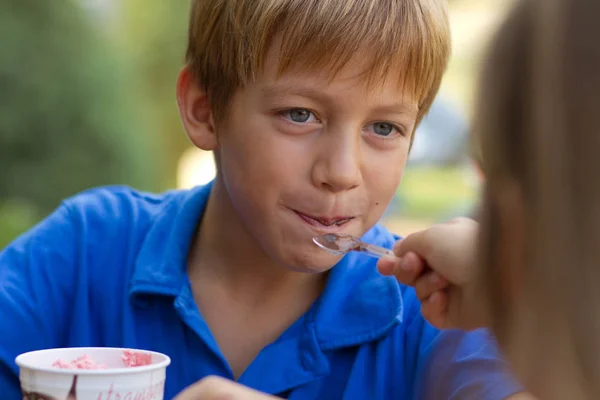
x: 64, y: 116
x: 153, y: 35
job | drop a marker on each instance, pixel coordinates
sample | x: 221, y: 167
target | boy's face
x: 302, y: 155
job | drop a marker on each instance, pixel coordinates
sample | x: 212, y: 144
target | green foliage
x: 152, y: 36
x: 433, y: 192
x: 64, y: 111
x: 16, y: 217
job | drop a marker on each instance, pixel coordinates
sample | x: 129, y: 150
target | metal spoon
x: 343, y: 244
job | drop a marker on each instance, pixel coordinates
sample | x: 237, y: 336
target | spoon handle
x: 376, y: 251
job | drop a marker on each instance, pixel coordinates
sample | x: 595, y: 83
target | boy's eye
x: 299, y: 115
x: 384, y: 129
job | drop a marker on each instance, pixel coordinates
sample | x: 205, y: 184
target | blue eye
x: 299, y: 115
x: 383, y: 128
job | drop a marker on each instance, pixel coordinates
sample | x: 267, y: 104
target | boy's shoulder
x: 111, y: 235
x: 105, y: 246
x: 113, y: 201
x: 122, y: 212
x: 126, y: 221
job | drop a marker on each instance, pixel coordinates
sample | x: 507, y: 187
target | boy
x: 310, y: 107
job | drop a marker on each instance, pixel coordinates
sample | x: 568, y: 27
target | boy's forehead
x: 325, y: 82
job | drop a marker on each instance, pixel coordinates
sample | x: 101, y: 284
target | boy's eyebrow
x: 282, y: 89
x: 398, y: 108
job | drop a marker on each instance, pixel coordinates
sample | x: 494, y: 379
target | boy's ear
x: 195, y: 111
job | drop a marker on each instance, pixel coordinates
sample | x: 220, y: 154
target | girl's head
x: 539, y: 126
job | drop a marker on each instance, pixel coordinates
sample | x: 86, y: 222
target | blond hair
x: 539, y: 126
x: 229, y: 39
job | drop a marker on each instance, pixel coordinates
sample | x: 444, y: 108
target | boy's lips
x: 325, y: 223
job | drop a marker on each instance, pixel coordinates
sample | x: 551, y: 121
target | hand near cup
x: 216, y: 388
x: 440, y: 263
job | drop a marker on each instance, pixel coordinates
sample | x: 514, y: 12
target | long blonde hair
x: 539, y: 126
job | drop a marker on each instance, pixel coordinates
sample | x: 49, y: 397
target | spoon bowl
x: 343, y: 244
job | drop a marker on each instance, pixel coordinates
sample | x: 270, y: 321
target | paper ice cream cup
x: 40, y: 380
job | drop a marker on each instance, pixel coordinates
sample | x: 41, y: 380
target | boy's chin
x: 313, y: 263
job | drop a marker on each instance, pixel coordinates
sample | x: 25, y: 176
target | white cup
x: 41, y: 381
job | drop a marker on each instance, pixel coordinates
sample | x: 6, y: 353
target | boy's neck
x: 245, y: 298
x: 225, y: 252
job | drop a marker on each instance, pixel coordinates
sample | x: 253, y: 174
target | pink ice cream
x: 136, y: 358
x: 130, y: 359
x: 83, y: 362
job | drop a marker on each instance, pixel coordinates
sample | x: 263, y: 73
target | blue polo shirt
x: 108, y: 268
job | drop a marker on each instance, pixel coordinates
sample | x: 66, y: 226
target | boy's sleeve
x: 36, y: 275
x: 457, y: 365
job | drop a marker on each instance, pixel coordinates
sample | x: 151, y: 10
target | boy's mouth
x: 324, y: 222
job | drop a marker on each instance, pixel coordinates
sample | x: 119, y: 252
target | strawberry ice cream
x: 136, y: 358
x: 130, y: 359
x: 83, y: 362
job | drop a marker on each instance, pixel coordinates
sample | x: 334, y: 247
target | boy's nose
x: 337, y: 166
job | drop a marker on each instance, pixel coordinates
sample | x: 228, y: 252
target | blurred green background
x: 87, y: 98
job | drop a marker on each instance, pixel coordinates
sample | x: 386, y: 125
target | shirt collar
x: 160, y: 267
x: 358, y: 304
